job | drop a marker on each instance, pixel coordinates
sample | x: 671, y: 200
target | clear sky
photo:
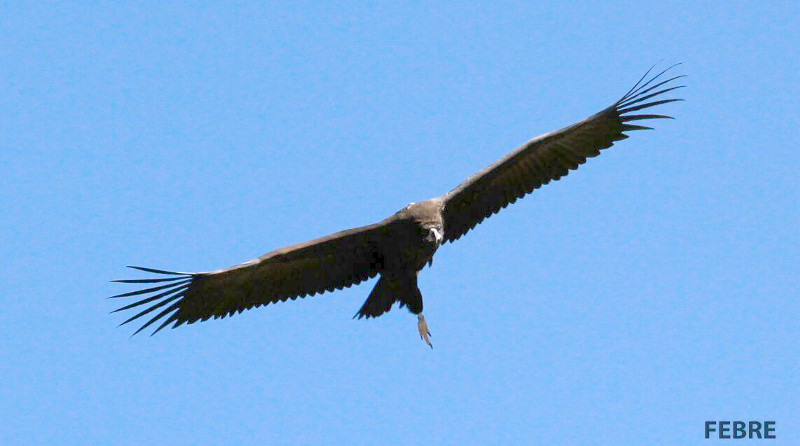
x: 650, y: 291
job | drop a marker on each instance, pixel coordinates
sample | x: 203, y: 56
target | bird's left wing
x: 333, y: 262
x: 548, y: 157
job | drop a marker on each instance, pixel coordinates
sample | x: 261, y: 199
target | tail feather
x: 388, y: 291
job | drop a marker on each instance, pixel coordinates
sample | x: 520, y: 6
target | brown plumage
x: 398, y: 247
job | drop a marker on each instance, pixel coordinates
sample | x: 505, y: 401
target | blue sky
x: 652, y: 290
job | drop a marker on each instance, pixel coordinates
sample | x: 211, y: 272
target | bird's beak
x: 437, y: 236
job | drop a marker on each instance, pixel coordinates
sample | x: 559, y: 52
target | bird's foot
x: 422, y: 326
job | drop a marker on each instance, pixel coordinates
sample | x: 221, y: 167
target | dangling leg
x: 422, y: 326
x: 390, y: 289
x: 414, y: 302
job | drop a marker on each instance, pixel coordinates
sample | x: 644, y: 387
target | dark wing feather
x: 325, y: 264
x: 548, y: 158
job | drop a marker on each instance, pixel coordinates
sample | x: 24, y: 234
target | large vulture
x: 398, y: 247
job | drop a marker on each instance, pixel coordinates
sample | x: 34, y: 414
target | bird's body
x: 410, y: 241
x: 398, y: 247
x: 414, y: 236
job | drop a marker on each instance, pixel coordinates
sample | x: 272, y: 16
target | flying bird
x: 397, y: 248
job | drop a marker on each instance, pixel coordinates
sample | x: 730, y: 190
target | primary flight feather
x: 398, y: 247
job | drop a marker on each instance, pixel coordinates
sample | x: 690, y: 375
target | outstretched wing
x: 325, y: 264
x: 549, y: 157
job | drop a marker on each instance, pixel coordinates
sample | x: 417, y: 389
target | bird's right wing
x: 548, y: 157
x: 333, y: 262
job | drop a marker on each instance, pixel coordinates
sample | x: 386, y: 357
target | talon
x: 422, y: 326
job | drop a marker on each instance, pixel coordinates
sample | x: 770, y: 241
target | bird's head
x: 428, y: 217
x: 435, y: 235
